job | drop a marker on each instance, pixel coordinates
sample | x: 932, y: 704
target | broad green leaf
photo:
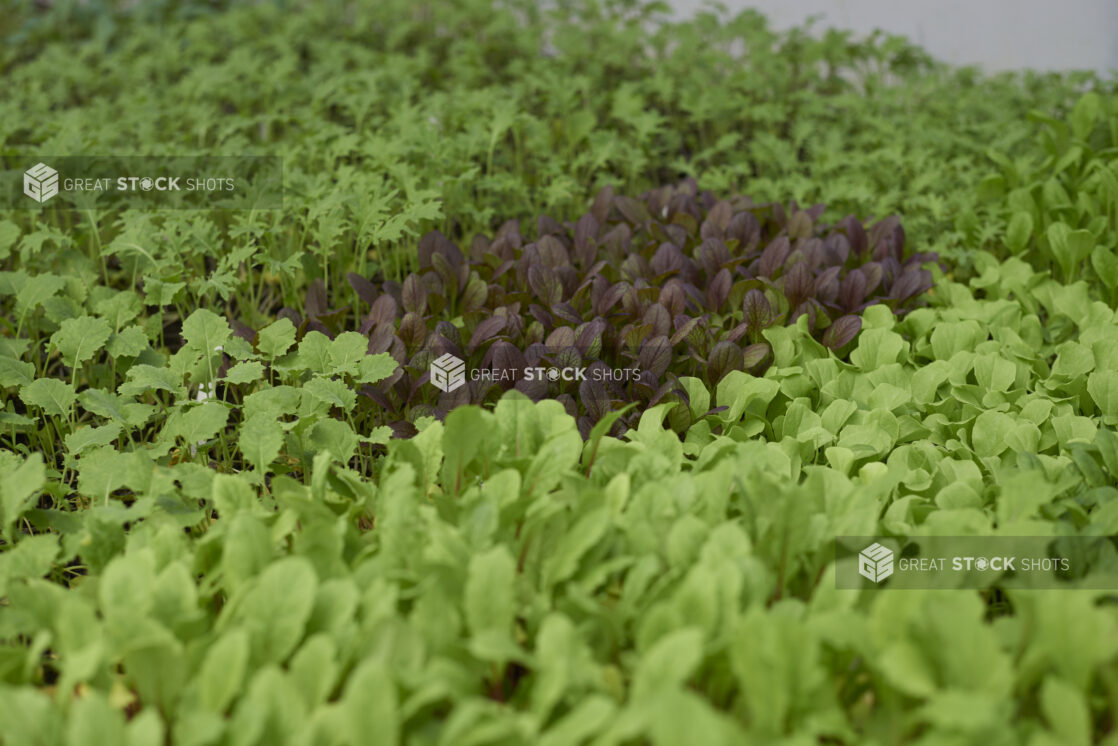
x: 101, y: 471
x: 274, y: 609
x: 248, y: 549
x: 15, y: 372
x: 30, y: 716
x: 32, y: 557
x: 1102, y: 385
x: 579, y: 539
x: 160, y: 293
x: 1070, y: 428
x: 53, y: 396
x: 490, y: 602
x: 223, y: 670
x: 1066, y: 711
x: 239, y: 349
x: 119, y: 308
x: 205, y: 331
x: 261, y: 439
x: 80, y: 339
x: 463, y: 439
x: 111, y: 406
x: 200, y: 423
x: 877, y: 347
x: 276, y: 338
x: 245, y: 372
x: 333, y: 436
x: 1069, y: 247
x: 994, y: 373
x: 371, y: 706
x: 275, y: 402
x: 36, y: 291
x: 1023, y: 438
x: 332, y: 392
x: 589, y: 717
x: 314, y: 669
x: 668, y: 663
x: 9, y: 234
x: 314, y: 353
x: 1106, y: 265
x: 93, y: 722
x: 686, y: 717
x: 378, y: 435
x: 990, y: 432
x: 86, y: 437
x: 128, y: 342
x: 744, y: 394
x: 143, y: 378
x: 18, y: 487
x: 1019, y: 232
x: 145, y: 729
x: 346, y: 352
x: 127, y: 585
x: 1073, y: 361
x: 1084, y: 114
x: 952, y: 337
x: 374, y: 368
x: 555, y: 645
x: 836, y: 415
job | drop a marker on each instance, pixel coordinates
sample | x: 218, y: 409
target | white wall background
x: 995, y: 34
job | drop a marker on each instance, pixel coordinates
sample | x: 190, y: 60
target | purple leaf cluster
x: 676, y: 282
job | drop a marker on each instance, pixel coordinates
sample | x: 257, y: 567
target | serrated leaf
x: 200, y: 423
x: 36, y: 290
x: 205, y: 331
x: 80, y: 339
x: 111, y: 406
x: 374, y: 368
x: 143, y: 378
x: 101, y: 471
x: 32, y: 557
x: 346, y: 352
x: 331, y: 391
x: 261, y: 439
x: 333, y: 436
x: 276, y: 338
x: 314, y: 353
x: 128, y: 342
x: 15, y: 372
x: 87, y: 437
x: 54, y: 397
x: 245, y: 372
